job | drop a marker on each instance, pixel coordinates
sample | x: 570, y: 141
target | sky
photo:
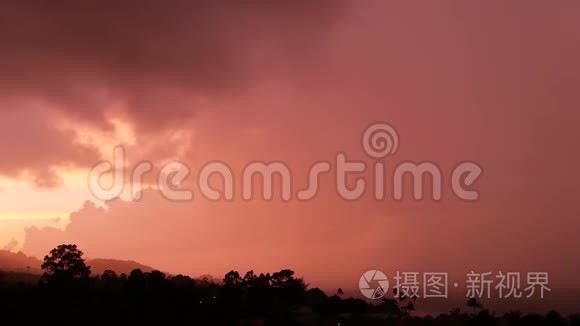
x: 492, y: 82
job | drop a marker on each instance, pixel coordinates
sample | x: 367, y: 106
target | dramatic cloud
x: 10, y: 246
x: 148, y: 63
x: 149, y: 54
x: 32, y: 147
x: 327, y: 240
x: 172, y: 235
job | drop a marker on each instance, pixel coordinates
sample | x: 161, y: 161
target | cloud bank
x: 148, y: 63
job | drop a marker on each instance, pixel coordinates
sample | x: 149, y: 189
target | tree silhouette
x: 136, y: 282
x: 473, y: 303
x: 232, y: 278
x: 406, y: 303
x: 65, y: 264
x: 109, y: 276
x: 249, y: 278
x: 156, y: 279
x: 282, y: 278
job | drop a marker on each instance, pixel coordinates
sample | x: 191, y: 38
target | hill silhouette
x: 100, y: 265
x: 20, y: 263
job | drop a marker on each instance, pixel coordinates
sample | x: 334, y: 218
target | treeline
x: 265, y: 299
x: 67, y: 295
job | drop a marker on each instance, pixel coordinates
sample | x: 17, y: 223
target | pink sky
x: 494, y: 82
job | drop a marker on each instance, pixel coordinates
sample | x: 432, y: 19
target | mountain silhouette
x: 99, y: 265
x: 19, y: 262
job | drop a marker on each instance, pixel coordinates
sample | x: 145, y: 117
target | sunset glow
x: 475, y: 167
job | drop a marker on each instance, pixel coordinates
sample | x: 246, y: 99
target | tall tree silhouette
x: 65, y: 264
x: 232, y: 279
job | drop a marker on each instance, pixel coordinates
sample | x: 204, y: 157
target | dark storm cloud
x: 75, y: 59
x: 147, y: 53
x: 32, y: 147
